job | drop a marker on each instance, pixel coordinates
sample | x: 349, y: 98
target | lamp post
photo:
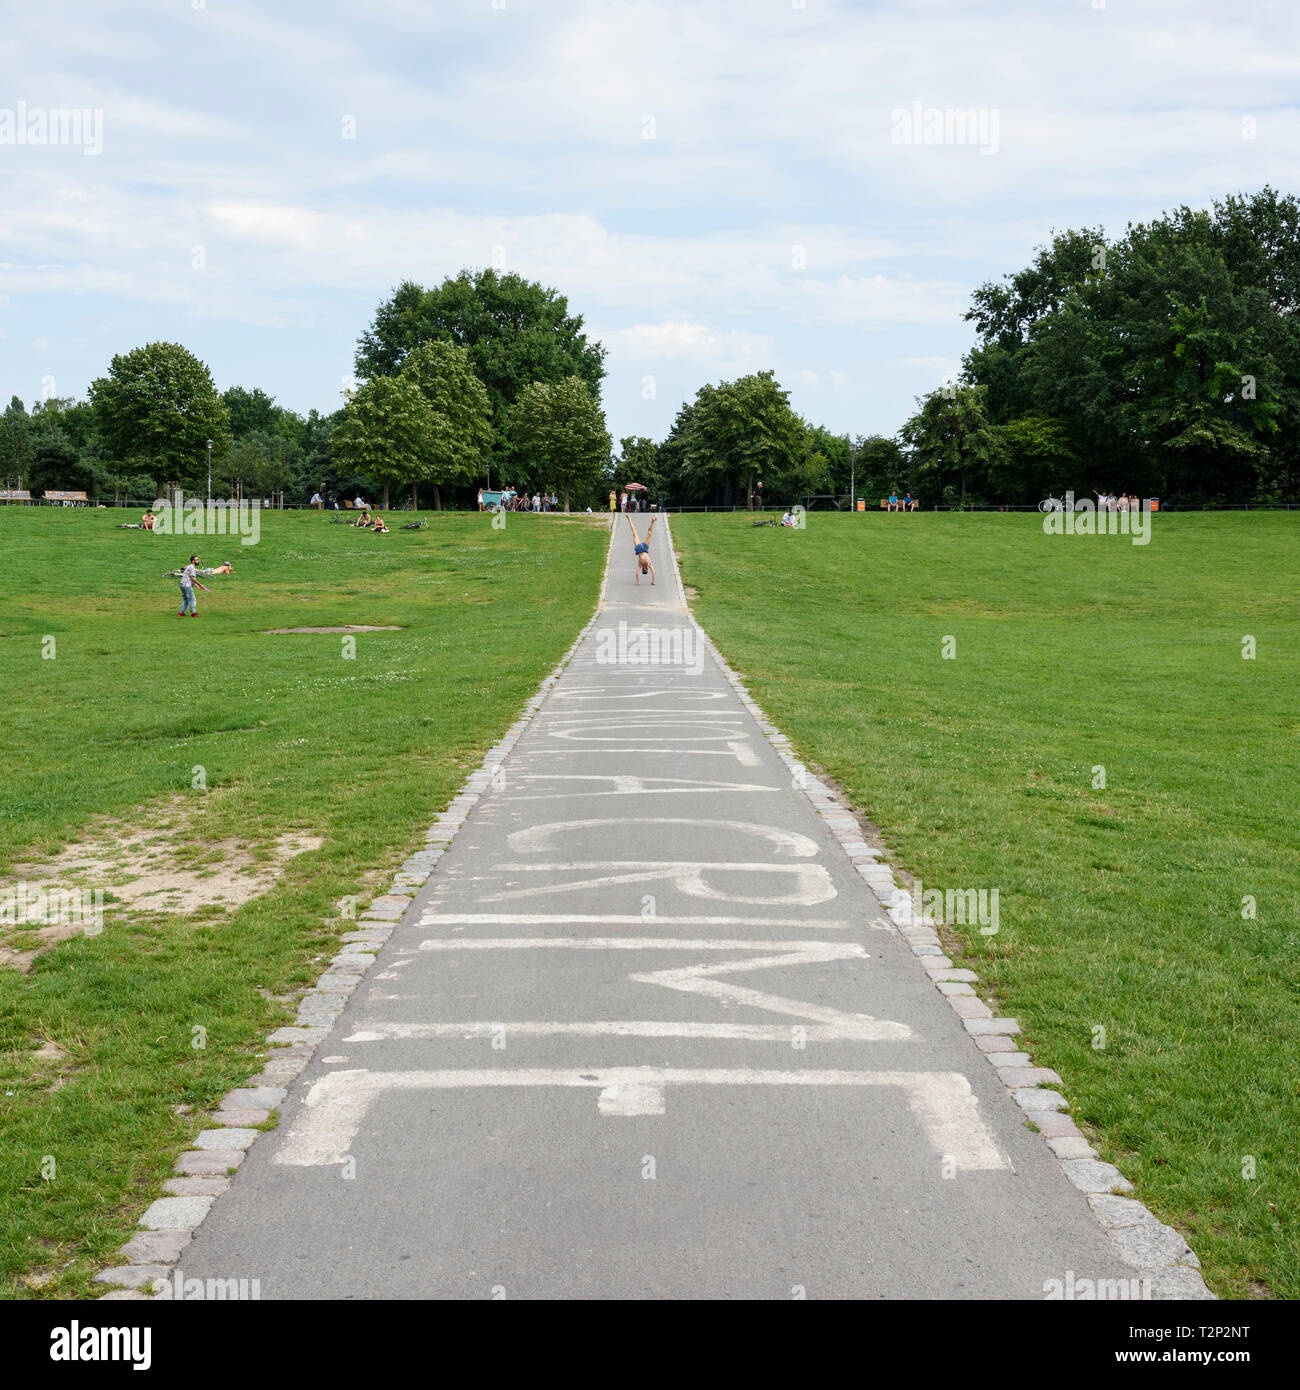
x: 209, y: 470
x: 853, y: 477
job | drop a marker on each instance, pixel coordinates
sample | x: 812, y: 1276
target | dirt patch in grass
x: 154, y: 868
x: 349, y: 627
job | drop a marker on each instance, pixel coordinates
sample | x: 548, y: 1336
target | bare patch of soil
x: 154, y: 868
x: 349, y: 627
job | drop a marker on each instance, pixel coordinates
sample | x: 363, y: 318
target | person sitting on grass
x: 363, y: 519
x: 147, y: 520
x: 379, y: 526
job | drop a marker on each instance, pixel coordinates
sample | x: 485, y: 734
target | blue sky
x: 718, y: 187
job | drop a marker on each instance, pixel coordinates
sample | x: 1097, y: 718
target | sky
x: 717, y: 186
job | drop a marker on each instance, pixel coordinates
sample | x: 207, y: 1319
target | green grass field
x: 1121, y: 907
x: 103, y: 738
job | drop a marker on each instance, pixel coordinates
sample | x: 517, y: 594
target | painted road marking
x: 536, y: 838
x: 942, y: 1103
x: 595, y: 692
x: 744, y: 753
x: 855, y: 1028
x: 701, y: 978
x: 628, y: 784
x: 621, y: 919
x: 833, y: 950
x: 812, y: 883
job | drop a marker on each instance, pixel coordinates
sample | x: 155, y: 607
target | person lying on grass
x: 225, y: 567
x: 641, y: 551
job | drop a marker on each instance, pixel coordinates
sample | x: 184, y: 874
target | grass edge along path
x: 1123, y: 948
x: 151, y: 1022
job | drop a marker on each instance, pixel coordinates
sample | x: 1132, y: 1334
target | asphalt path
x: 647, y: 1034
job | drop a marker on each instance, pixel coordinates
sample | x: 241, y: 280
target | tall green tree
x: 880, y: 467
x: 952, y: 446
x: 386, y: 433
x: 739, y: 432
x: 516, y: 331
x: 559, y: 428
x: 637, y: 462
x: 461, y: 414
x: 15, y: 444
x: 1036, y: 460
x: 157, y: 408
x: 1169, y: 356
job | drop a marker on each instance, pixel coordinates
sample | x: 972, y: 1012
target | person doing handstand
x: 644, y: 565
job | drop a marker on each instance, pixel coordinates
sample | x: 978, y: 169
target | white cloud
x: 694, y: 342
x: 522, y: 129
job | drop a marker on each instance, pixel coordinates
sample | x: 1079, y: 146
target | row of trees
x: 1166, y: 361
x: 147, y: 423
x: 485, y: 372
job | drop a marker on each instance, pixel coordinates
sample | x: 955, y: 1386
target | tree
x: 880, y: 466
x: 250, y: 411
x: 949, y: 438
x: 834, y: 448
x: 15, y: 443
x: 637, y: 462
x: 157, y: 408
x: 57, y: 463
x: 516, y: 331
x: 1035, y: 460
x: 738, y: 430
x: 560, y: 427
x: 1170, y: 355
x: 386, y: 433
x: 461, y: 414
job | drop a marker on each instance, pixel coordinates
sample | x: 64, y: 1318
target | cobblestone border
x: 204, y: 1172
x: 1158, y: 1254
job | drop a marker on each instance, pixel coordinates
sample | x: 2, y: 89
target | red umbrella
x: 636, y: 487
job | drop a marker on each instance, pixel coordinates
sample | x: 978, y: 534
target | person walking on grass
x: 641, y: 551
x: 189, y: 578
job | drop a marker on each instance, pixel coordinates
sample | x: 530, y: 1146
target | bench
x: 66, y: 499
x: 20, y: 496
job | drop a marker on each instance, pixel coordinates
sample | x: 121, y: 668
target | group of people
x: 1108, y: 502
x: 371, y: 523
x: 627, y: 501
x: 512, y: 500
x: 906, y: 503
x: 324, y: 498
